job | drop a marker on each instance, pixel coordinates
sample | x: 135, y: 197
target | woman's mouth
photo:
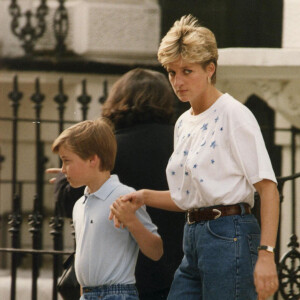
x: 181, y: 91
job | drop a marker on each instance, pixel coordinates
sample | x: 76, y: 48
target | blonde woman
x: 219, y: 160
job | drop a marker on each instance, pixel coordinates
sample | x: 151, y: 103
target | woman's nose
x: 177, y: 81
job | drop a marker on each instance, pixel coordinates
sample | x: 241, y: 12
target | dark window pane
x: 236, y: 23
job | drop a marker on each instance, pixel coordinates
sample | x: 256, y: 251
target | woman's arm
x: 157, y: 199
x: 149, y: 243
x: 265, y: 275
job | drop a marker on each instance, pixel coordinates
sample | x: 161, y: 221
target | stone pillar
x: 291, y: 28
x: 117, y: 31
x: 114, y: 31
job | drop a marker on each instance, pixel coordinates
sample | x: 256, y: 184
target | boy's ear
x: 94, y: 160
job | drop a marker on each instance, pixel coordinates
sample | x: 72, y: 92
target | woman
x: 219, y: 160
x: 140, y: 106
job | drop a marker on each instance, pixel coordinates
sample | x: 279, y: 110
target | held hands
x: 265, y: 275
x: 122, y: 211
x: 53, y: 171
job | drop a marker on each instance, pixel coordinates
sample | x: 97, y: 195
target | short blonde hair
x: 188, y: 40
x: 88, y: 138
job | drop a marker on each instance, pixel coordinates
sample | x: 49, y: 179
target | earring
x: 208, y: 80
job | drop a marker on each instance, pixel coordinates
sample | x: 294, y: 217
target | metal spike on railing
x: 15, y: 96
x: 61, y: 98
x: 37, y: 98
x: 84, y: 99
x: 103, y: 98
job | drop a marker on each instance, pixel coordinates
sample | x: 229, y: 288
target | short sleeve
x: 145, y: 219
x: 251, y: 154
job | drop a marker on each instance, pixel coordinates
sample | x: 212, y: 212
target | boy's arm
x: 149, y: 243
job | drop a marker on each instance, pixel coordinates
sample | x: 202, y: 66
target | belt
x: 214, y: 212
x: 114, y: 288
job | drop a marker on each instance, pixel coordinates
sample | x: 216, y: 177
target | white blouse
x: 218, y: 156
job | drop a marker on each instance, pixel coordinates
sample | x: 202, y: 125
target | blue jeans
x: 111, y: 292
x: 219, y: 259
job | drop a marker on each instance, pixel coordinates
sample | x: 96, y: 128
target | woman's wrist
x: 145, y: 196
x: 266, y: 248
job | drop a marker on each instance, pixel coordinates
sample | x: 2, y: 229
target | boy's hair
x: 190, y: 41
x: 88, y: 138
x: 139, y: 96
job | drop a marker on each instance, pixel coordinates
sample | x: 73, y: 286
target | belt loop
x: 242, y: 206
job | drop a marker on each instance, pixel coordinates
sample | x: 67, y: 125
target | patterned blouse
x: 218, y: 156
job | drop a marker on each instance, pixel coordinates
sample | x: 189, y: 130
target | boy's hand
x: 136, y: 199
x: 123, y: 211
x: 53, y: 171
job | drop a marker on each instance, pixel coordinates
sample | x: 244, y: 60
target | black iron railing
x: 288, y: 264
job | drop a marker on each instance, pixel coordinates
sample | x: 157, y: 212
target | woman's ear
x: 211, y: 69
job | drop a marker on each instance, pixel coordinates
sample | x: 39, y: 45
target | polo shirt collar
x: 106, y: 189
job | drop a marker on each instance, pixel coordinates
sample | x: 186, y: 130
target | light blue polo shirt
x: 105, y: 254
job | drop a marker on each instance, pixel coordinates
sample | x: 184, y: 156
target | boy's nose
x: 63, y: 169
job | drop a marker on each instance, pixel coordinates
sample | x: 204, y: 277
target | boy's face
x: 74, y: 167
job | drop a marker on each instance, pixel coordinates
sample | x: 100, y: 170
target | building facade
x: 79, y: 48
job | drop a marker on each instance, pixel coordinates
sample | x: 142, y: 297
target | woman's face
x: 189, y: 80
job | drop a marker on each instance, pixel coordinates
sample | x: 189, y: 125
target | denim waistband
x: 113, y: 289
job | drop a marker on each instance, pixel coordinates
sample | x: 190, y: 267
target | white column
x: 117, y: 31
x: 291, y: 24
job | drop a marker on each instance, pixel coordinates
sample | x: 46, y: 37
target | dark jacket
x: 142, y: 156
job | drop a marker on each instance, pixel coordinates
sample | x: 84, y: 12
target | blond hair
x: 188, y: 40
x: 88, y: 138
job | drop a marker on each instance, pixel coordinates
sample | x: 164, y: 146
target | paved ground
x: 24, y: 285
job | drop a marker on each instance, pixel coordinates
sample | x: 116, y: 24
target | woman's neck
x: 206, y: 101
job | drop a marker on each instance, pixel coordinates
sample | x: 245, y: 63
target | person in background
x: 219, y: 160
x: 140, y: 106
x: 105, y: 258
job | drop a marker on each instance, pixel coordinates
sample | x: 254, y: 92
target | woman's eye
x: 171, y: 73
x: 186, y: 71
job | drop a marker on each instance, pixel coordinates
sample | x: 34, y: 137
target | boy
x: 105, y: 256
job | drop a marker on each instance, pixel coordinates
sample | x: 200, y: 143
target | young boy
x: 105, y: 255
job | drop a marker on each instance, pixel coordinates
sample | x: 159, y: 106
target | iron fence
x: 288, y: 265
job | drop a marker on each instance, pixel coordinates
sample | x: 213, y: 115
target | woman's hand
x: 124, y: 211
x: 265, y: 275
x: 136, y: 199
x: 53, y: 171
